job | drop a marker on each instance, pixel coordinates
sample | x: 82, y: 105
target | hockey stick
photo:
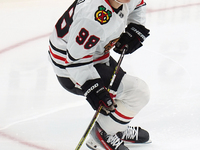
x: 101, y: 106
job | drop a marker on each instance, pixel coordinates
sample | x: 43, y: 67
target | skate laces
x: 114, y: 140
x: 130, y: 133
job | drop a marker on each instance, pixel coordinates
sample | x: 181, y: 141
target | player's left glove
x: 132, y: 38
x: 96, y: 94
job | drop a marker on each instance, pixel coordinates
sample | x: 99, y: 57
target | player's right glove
x: 132, y: 38
x: 96, y: 94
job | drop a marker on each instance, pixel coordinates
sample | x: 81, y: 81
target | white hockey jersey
x: 84, y: 34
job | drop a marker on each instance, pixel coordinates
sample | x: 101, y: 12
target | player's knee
x: 140, y: 93
x: 143, y: 92
x: 134, y: 91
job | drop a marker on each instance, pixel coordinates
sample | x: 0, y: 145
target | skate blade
x: 92, y: 144
x: 131, y: 144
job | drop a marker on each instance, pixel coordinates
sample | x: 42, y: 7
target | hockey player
x: 79, y: 53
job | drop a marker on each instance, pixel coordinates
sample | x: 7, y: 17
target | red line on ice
x: 22, y: 43
x: 22, y: 142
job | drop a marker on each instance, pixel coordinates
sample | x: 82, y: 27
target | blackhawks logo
x: 103, y: 16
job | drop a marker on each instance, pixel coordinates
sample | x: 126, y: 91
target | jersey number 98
x: 83, y: 36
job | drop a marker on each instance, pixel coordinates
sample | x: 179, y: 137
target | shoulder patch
x: 102, y: 16
x: 110, y: 45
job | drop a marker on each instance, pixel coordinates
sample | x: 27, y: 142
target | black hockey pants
x: 105, y: 73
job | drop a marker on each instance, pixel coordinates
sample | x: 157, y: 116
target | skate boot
x: 100, y: 140
x: 134, y: 135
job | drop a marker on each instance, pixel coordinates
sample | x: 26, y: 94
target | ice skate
x: 134, y: 135
x: 100, y: 140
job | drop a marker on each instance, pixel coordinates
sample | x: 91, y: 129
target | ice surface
x: 36, y: 113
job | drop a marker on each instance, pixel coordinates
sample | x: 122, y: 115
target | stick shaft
x: 116, y: 70
x: 89, y: 128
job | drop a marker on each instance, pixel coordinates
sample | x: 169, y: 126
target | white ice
x: 36, y: 113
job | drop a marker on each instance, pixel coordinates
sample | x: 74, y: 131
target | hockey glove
x: 96, y: 94
x: 132, y: 38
